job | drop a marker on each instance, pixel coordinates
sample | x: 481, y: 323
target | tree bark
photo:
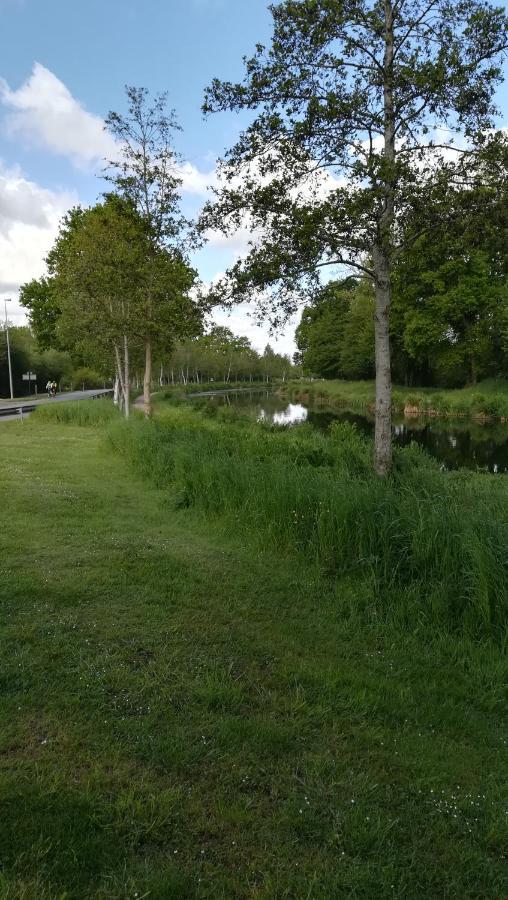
x: 382, y: 266
x: 120, y: 376
x: 383, y: 426
x: 126, y: 377
x: 116, y: 390
x: 147, y: 380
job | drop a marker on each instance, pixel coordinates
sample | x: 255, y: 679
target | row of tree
x: 222, y: 356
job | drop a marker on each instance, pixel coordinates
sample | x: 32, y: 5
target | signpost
x: 30, y: 376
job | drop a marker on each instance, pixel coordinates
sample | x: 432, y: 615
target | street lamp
x: 6, y: 301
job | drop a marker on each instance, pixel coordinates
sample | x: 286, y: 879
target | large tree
x: 146, y: 174
x: 355, y: 102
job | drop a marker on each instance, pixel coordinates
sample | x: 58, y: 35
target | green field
x: 202, y: 696
x: 488, y: 398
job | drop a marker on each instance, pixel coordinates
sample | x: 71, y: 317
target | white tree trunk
x: 120, y: 377
x: 383, y: 426
x: 126, y: 376
x: 147, y: 380
x: 381, y: 255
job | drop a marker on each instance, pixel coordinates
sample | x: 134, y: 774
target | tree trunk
x: 383, y: 426
x: 381, y: 255
x: 126, y: 376
x: 147, y: 380
x: 121, y: 379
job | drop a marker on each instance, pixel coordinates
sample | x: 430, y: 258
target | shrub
x: 87, y: 378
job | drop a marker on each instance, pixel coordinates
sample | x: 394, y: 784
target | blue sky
x: 64, y: 64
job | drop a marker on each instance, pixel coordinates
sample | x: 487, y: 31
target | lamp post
x: 6, y: 301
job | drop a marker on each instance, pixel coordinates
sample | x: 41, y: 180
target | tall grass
x: 432, y: 544
x: 81, y: 412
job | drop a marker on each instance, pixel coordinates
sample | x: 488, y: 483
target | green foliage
x: 55, y: 365
x: 435, y: 542
x: 317, y: 93
x: 87, y: 378
x: 335, y: 337
x: 43, y: 310
x: 320, y: 334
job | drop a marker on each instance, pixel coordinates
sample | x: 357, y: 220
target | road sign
x: 29, y: 376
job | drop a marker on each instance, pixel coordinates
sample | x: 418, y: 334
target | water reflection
x: 455, y: 442
x: 293, y: 414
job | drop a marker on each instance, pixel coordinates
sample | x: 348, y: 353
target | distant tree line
x: 221, y: 356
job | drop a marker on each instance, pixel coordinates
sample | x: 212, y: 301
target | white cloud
x: 44, y: 112
x: 196, y: 182
x: 29, y: 219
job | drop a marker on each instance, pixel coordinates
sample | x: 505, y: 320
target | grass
x: 488, y: 399
x: 189, y: 713
x: 81, y: 412
x: 432, y: 545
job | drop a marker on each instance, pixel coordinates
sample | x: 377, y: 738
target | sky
x: 64, y: 66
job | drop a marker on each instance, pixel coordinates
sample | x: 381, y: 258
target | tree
x: 349, y: 96
x: 357, y: 345
x: 450, y: 303
x: 96, y: 266
x: 146, y: 175
x: 320, y: 332
x: 37, y: 297
x: 113, y: 288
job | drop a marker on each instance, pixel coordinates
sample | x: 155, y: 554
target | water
x: 455, y: 443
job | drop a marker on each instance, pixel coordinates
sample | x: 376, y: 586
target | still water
x: 454, y: 442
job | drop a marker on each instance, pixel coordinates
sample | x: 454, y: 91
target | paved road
x: 10, y: 409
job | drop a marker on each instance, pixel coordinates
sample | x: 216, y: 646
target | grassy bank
x: 182, y: 390
x: 431, y: 545
x: 488, y: 399
x: 190, y: 712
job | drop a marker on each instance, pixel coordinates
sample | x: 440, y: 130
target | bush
x: 87, y: 378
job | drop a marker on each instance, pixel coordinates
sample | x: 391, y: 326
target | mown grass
x: 187, y: 715
x: 487, y: 399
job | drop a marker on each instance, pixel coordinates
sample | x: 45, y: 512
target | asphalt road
x: 10, y: 409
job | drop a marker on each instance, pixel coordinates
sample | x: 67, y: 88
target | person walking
x: 53, y: 389
x: 49, y: 388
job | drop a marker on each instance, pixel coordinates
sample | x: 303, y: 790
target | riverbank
x: 188, y: 710
x: 486, y: 400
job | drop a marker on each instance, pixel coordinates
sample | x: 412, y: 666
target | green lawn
x: 185, y: 716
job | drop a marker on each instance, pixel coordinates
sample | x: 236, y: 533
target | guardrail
x: 22, y: 409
